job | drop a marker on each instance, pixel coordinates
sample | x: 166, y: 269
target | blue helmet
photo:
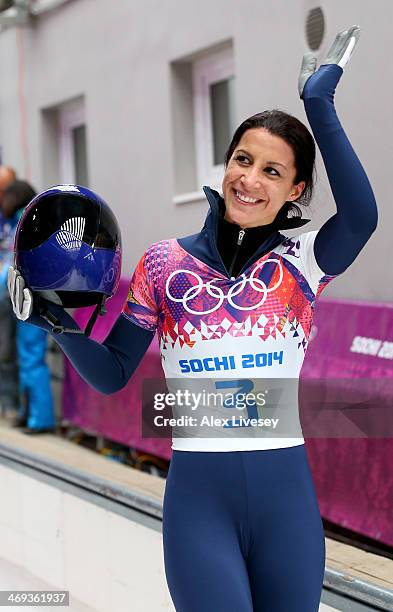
x: 68, y: 247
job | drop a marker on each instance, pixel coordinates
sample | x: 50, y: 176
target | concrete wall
x: 118, y: 56
x: 106, y: 561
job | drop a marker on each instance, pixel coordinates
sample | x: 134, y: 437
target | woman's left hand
x: 339, y: 54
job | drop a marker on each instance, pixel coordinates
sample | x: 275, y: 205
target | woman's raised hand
x: 339, y: 54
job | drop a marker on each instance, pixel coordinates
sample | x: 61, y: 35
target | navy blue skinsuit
x: 242, y: 529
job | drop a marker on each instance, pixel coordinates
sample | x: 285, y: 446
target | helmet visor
x: 90, y: 222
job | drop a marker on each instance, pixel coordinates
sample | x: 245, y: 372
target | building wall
x: 118, y: 56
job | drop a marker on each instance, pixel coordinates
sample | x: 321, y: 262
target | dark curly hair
x: 298, y: 137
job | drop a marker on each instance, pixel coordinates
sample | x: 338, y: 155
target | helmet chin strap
x: 99, y: 310
x: 58, y: 328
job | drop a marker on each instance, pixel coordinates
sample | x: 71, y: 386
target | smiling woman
x: 271, y: 158
x: 254, y: 190
x: 237, y: 300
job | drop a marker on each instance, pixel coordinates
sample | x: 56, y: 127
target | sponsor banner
x: 353, y: 476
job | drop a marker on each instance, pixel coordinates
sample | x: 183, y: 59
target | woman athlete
x: 234, y: 303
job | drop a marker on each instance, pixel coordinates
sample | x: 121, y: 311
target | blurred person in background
x: 36, y: 407
x: 8, y: 359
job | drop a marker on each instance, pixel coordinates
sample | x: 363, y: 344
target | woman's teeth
x: 244, y: 198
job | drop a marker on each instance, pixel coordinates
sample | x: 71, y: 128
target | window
x: 203, y: 119
x: 214, y: 113
x: 72, y: 144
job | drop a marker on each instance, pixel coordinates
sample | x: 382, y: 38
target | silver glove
x: 339, y: 53
x: 21, y: 296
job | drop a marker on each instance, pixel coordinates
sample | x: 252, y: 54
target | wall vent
x: 315, y: 28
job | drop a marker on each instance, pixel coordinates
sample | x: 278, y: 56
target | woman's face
x: 259, y: 179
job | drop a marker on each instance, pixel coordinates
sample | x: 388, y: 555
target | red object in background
x: 353, y: 476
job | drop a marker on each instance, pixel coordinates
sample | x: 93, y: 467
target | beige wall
x: 118, y: 54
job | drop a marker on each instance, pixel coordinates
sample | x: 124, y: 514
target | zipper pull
x: 240, y: 237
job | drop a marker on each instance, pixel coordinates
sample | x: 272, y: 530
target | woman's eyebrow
x: 277, y: 164
x: 268, y: 162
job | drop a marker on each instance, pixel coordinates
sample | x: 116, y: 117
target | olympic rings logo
x: 218, y: 294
